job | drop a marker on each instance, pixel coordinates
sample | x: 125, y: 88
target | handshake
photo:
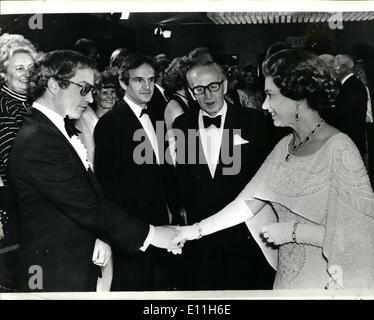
x: 173, y: 238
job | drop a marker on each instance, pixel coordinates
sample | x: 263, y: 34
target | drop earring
x: 297, y: 114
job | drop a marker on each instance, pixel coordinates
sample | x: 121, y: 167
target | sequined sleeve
x: 349, y: 238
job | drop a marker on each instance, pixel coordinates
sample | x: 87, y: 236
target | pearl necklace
x: 297, y: 147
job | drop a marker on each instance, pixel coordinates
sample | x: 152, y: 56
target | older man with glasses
x: 232, y: 142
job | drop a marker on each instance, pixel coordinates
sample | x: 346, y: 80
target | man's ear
x: 225, y: 86
x: 192, y: 94
x: 53, y: 86
x: 123, y: 85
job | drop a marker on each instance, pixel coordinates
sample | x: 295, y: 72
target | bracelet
x: 294, y: 232
x: 199, y: 230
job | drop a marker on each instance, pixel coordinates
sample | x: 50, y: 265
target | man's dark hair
x: 60, y: 65
x: 84, y: 45
x: 133, y: 61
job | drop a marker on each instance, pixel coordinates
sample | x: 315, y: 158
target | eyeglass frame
x: 93, y: 89
x: 207, y: 87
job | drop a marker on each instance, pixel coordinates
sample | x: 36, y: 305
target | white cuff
x: 149, y: 238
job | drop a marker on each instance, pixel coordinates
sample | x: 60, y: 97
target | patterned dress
x: 331, y: 188
x: 13, y: 107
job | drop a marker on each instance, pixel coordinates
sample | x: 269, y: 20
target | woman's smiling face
x: 282, y: 109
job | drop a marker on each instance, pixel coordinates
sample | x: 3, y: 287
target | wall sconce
x: 158, y: 31
x: 166, y: 33
x: 125, y: 15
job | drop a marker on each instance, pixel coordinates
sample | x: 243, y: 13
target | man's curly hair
x: 302, y: 75
x: 60, y: 65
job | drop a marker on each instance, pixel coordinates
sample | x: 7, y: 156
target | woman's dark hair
x: 60, y: 65
x: 175, y: 74
x: 302, y: 75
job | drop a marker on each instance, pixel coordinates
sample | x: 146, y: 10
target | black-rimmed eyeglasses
x: 85, y: 88
x: 212, y: 87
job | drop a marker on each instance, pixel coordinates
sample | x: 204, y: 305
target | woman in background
x: 105, y: 98
x: 17, y: 54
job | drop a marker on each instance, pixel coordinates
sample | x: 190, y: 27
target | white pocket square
x: 238, y: 140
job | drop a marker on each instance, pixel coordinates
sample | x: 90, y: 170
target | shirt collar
x: 346, y: 77
x: 134, y: 107
x: 56, y: 119
x: 222, y: 112
x: 13, y: 94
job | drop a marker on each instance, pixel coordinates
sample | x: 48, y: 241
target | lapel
x: 48, y: 124
x: 202, y: 168
x: 228, y: 127
x: 132, y: 124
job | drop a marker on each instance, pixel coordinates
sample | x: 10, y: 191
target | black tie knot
x: 208, y: 121
x: 69, y: 127
x: 144, y: 111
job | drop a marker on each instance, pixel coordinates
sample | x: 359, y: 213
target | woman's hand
x: 187, y: 233
x: 101, y: 254
x: 278, y: 233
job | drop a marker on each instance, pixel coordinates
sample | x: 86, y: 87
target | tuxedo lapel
x: 45, y: 122
x: 131, y: 119
x: 227, y: 137
x: 202, y: 163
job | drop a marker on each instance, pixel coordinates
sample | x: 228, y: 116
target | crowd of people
x: 108, y: 179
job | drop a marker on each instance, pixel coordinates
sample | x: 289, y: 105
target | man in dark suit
x: 213, y: 166
x: 349, y: 114
x: 61, y: 207
x: 129, y: 166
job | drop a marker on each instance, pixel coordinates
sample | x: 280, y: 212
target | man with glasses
x: 232, y: 143
x: 61, y: 207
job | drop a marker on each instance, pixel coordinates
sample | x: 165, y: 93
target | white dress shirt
x: 211, y: 138
x: 146, y: 124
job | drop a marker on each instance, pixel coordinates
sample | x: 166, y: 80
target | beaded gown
x: 331, y: 188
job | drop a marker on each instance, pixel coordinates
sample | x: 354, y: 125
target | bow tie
x: 208, y: 121
x: 69, y: 127
x: 144, y: 111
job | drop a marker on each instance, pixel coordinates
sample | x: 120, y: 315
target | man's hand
x: 163, y: 238
x: 186, y: 233
x: 101, y: 254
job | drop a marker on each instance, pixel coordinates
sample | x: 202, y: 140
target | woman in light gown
x: 315, y: 182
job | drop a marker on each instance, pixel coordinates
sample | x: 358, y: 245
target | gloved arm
x: 234, y: 213
x: 290, y: 231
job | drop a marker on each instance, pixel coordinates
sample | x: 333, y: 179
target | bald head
x: 343, y: 65
x: 201, y: 69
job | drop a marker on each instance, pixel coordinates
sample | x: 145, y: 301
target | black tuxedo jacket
x: 229, y: 259
x: 349, y: 114
x: 62, y: 210
x: 139, y: 188
x: 157, y: 105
